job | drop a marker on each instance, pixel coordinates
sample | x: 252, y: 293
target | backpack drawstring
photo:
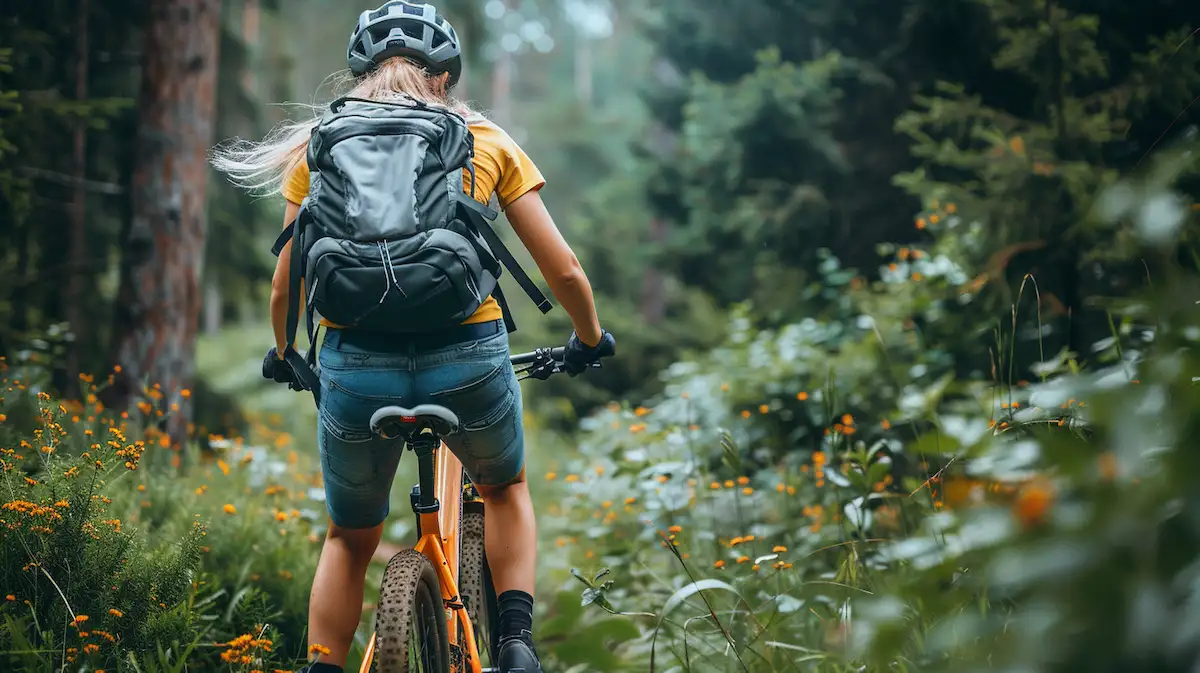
x: 387, y: 284
x: 391, y: 270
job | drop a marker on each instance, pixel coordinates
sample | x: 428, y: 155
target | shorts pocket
x: 481, y: 402
x: 347, y: 462
x: 350, y: 397
x: 345, y: 415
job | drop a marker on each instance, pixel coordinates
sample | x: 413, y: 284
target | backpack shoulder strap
x: 479, y: 217
x: 283, y: 238
x: 306, y: 377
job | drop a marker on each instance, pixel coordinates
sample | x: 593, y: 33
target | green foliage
x: 832, y: 495
x: 738, y: 196
x: 1024, y: 179
x: 109, y: 559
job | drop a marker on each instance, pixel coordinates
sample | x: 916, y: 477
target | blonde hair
x: 261, y: 167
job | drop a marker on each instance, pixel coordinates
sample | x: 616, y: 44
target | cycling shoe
x: 516, y: 655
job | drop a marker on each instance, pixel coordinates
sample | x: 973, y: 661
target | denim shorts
x: 360, y: 373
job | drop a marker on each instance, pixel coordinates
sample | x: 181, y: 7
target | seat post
x: 424, y: 446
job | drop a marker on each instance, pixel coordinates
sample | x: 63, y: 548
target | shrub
x: 112, y: 558
x: 834, y: 495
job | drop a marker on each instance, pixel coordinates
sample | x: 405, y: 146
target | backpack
x: 387, y: 240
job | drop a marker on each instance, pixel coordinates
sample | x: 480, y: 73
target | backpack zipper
x: 416, y: 104
x: 392, y: 128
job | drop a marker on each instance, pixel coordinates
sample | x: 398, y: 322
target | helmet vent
x: 415, y: 10
x: 378, y: 14
x: 379, y: 33
x: 438, y: 39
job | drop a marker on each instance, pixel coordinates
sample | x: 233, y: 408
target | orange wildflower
x: 1033, y: 502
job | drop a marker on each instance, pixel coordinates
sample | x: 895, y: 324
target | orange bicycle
x: 437, y: 602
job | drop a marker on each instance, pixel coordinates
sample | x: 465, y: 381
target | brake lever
x: 547, y: 368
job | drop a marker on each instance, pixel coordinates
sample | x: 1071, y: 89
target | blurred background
x: 842, y: 234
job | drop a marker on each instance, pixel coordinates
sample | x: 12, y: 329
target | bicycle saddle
x: 399, y: 422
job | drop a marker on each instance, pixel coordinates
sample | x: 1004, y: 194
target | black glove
x: 578, y: 356
x: 277, y: 370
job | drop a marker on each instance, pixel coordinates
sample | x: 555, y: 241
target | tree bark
x: 251, y: 21
x: 158, y: 305
x: 76, y: 283
x: 501, y: 86
x: 502, y: 81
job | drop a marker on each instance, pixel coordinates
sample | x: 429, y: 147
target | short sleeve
x: 295, y: 183
x: 518, y: 174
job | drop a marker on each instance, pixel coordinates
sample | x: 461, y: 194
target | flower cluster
x: 245, y: 649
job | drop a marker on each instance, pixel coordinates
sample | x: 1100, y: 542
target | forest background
x: 905, y: 294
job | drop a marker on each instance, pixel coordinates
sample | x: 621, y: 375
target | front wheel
x: 410, y: 623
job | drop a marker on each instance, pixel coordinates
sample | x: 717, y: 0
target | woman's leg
x: 357, y: 468
x: 335, y: 604
x: 476, y: 381
x: 510, y: 535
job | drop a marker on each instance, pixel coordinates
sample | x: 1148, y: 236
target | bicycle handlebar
x: 538, y: 364
x: 546, y: 354
x: 541, y: 364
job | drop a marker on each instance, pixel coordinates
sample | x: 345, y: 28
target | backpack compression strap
x: 306, y: 378
x: 479, y: 217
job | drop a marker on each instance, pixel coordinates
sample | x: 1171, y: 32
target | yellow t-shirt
x: 501, y: 166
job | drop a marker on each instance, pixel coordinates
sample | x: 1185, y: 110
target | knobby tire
x: 410, y: 623
x: 475, y: 583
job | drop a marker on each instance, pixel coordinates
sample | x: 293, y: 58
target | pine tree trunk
x: 501, y: 86
x: 22, y: 298
x: 502, y: 82
x: 158, y: 305
x: 76, y: 280
x: 251, y: 22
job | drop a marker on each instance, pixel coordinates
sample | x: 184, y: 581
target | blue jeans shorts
x: 362, y: 372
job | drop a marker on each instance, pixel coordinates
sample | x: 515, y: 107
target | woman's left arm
x: 279, y: 286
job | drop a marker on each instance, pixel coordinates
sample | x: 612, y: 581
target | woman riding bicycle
x: 465, y: 368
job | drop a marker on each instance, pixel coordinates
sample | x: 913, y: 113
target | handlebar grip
x: 556, y: 354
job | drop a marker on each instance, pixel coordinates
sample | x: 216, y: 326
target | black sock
x: 321, y: 667
x: 516, y: 613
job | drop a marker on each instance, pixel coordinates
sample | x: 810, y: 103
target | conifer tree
x: 1008, y: 182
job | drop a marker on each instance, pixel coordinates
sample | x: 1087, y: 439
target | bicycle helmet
x: 413, y: 30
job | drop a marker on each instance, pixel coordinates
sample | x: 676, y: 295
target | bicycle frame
x: 438, y: 511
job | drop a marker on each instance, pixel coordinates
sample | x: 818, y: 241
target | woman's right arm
x: 557, y: 262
